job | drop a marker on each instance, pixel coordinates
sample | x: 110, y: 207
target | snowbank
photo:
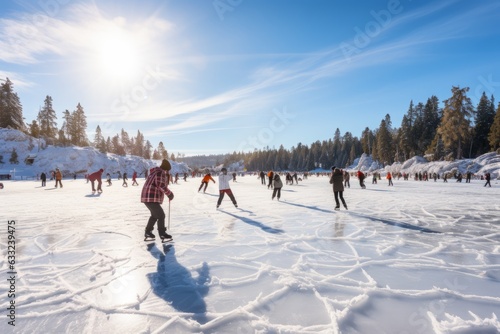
x: 69, y: 160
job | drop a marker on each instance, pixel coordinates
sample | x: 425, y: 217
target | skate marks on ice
x: 85, y: 271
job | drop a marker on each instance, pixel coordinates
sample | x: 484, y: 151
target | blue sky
x: 219, y: 76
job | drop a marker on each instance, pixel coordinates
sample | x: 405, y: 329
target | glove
x: 170, y: 196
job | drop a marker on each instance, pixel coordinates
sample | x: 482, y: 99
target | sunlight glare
x: 117, y: 55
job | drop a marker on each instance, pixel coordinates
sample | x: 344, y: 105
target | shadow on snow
x: 173, y: 283
x: 394, y: 223
x: 308, y: 207
x: 252, y: 222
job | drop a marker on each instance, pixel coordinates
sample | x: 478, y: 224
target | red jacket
x: 156, y: 186
x: 96, y: 175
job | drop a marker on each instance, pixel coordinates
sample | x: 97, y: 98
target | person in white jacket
x: 224, y: 187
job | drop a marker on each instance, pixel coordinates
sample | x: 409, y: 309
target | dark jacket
x: 337, y: 180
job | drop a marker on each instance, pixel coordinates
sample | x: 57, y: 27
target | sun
x: 117, y: 55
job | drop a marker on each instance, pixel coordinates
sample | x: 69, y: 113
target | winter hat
x: 223, y: 169
x: 165, y: 165
x: 333, y: 167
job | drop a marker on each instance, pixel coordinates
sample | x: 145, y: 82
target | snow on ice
x: 419, y: 257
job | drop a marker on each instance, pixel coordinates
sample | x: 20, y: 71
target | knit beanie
x: 165, y: 165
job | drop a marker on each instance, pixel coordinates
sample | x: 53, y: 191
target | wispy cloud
x: 72, y: 30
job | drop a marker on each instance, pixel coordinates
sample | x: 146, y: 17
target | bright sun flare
x: 117, y: 55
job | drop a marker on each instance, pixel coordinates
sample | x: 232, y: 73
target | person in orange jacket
x: 205, y: 180
x: 389, y: 177
x: 58, y: 177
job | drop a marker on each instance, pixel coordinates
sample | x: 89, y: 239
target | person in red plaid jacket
x: 153, y: 192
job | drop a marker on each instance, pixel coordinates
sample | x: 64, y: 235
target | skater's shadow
x: 309, y: 207
x: 252, y: 222
x: 395, y: 223
x: 173, y: 283
x: 93, y: 195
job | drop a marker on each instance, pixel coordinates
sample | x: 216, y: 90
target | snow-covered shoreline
x: 72, y: 160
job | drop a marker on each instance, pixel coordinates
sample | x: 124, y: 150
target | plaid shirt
x: 156, y: 186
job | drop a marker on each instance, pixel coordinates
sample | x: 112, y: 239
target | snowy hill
x: 486, y: 163
x: 69, y: 160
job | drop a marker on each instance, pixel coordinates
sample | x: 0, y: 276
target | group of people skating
x: 156, y: 188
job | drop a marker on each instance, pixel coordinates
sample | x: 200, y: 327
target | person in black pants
x: 488, y: 178
x: 338, y: 187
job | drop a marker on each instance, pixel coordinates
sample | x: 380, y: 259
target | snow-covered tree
x: 14, y: 157
x: 11, y: 110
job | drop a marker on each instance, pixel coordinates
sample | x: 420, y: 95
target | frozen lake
x: 419, y: 257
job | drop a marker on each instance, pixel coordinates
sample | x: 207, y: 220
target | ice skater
x: 224, y: 188
x: 487, y: 176
x: 389, y: 178
x: 43, y: 177
x: 108, y: 179
x: 153, y: 192
x: 96, y: 176
x: 278, y: 184
x: 134, y: 179
x: 338, y: 187
x: 58, y: 176
x: 125, y: 184
x: 361, y: 178
x: 205, y: 181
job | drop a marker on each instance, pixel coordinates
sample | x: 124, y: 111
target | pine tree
x: 485, y: 115
x: 430, y: 121
x: 156, y: 155
x: 454, y: 126
x: 147, y: 150
x: 162, y: 151
x: 384, y: 144
x: 367, y: 140
x: 34, y: 129
x: 126, y: 142
x: 79, y: 127
x: 47, y: 119
x: 67, y: 127
x: 494, y: 135
x: 99, y: 141
x: 109, y: 145
x: 138, y: 145
x: 117, y: 147
x: 14, y: 157
x: 11, y: 110
x: 404, y: 138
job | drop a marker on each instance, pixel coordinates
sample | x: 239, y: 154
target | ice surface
x: 419, y: 257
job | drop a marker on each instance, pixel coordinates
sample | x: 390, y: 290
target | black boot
x: 149, y: 236
x: 164, y: 236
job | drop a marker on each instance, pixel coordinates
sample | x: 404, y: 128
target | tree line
x: 458, y: 130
